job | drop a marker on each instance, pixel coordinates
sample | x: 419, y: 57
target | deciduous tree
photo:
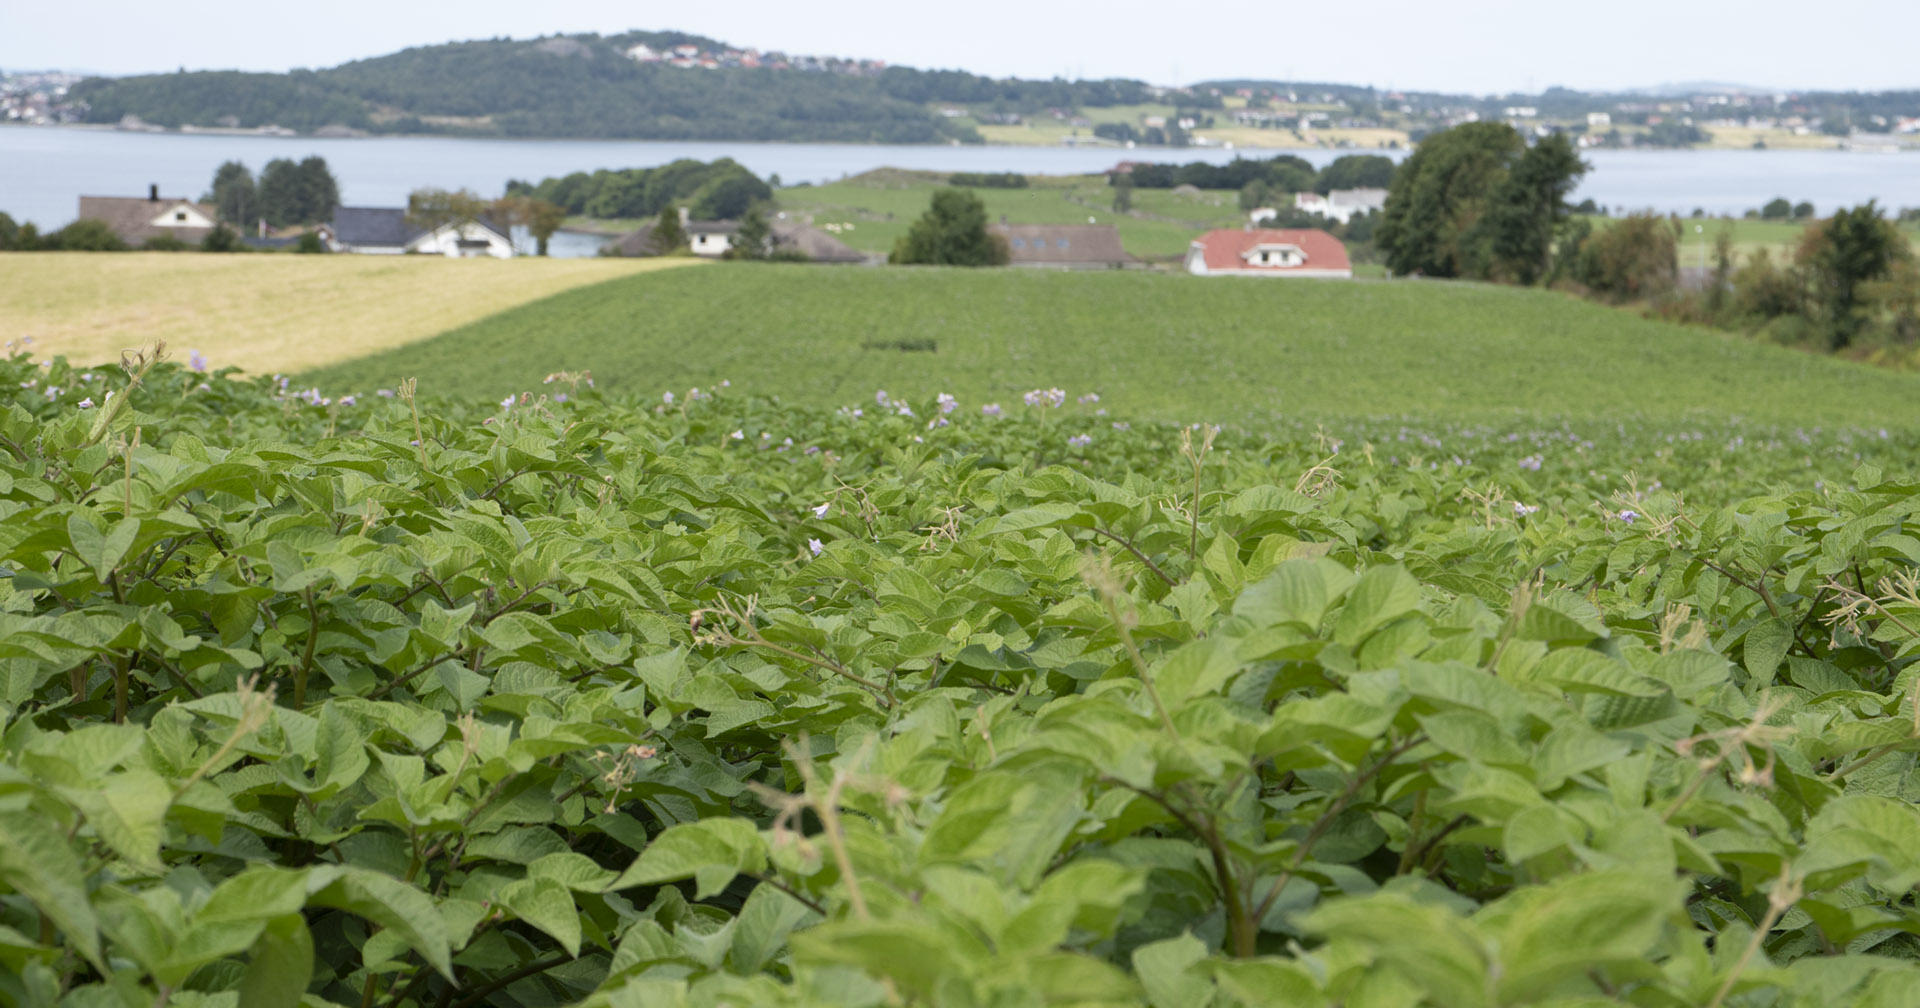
x: 754, y: 240
x: 1851, y: 248
x: 953, y: 232
x: 1514, y: 240
x: 1440, y: 192
x: 303, y: 192
x: 433, y: 208
x: 669, y: 235
x: 1476, y: 201
x: 233, y: 194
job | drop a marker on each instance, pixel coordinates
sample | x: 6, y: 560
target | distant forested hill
x: 585, y: 86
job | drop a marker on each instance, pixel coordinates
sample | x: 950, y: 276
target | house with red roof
x: 1290, y: 252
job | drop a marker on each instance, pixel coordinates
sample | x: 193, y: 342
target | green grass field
x: 1778, y: 237
x: 874, y: 209
x: 1152, y: 345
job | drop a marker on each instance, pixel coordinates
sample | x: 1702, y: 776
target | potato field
x: 697, y: 698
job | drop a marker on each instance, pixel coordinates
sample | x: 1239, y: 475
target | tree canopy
x: 297, y: 193
x: 1475, y: 201
x: 953, y: 232
x: 233, y: 194
x: 1839, y: 256
x: 722, y: 189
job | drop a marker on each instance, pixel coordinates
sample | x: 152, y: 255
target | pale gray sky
x: 1475, y: 46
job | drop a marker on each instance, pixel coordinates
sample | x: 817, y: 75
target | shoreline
x: 268, y: 133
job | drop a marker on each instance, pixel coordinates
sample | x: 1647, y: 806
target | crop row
x: 716, y: 701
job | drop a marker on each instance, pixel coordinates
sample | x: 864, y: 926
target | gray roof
x: 1062, y: 244
x: 384, y: 226
x: 817, y: 244
x: 131, y: 217
x: 373, y: 226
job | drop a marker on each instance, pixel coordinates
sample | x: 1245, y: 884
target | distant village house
x: 1342, y: 205
x: 1291, y: 252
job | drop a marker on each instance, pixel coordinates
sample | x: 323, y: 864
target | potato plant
x: 706, y: 700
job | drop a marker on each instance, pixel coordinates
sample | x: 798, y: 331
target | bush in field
x: 1633, y: 259
x: 1852, y: 248
x: 84, y: 236
x: 953, y: 232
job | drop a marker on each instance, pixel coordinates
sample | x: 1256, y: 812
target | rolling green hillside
x: 1152, y: 345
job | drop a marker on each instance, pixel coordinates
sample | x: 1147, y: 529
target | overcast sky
x: 1474, y: 46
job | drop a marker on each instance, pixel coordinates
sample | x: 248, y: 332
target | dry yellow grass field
x: 268, y: 313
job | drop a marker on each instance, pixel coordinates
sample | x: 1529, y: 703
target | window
x: 179, y: 215
x: 1061, y: 243
x: 1019, y: 243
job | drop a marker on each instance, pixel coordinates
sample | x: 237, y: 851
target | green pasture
x: 1168, y: 346
x: 1778, y: 237
x: 874, y: 209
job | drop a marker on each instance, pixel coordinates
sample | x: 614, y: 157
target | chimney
x: 685, y: 215
x: 153, y: 192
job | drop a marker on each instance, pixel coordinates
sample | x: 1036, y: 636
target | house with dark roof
x: 386, y: 231
x: 1289, y: 252
x: 815, y: 244
x: 1063, y: 246
x: 138, y: 220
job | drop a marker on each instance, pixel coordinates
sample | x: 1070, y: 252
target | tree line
x: 1285, y: 173
x: 718, y: 190
x: 287, y: 193
x: 1477, y: 202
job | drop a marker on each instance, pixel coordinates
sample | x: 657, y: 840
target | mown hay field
x: 269, y: 313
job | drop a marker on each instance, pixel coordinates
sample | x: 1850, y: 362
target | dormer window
x: 1276, y: 255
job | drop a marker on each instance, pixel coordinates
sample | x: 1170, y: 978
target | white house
x: 1289, y: 252
x: 709, y: 238
x: 386, y: 231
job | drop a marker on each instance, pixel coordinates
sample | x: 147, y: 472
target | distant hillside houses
x: 1342, y: 204
x: 691, y: 57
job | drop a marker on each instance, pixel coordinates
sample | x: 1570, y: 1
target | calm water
x: 44, y: 171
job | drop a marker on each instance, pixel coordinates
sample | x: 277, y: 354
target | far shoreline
x: 264, y: 133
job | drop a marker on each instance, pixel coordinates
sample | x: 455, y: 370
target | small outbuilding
x: 1289, y: 252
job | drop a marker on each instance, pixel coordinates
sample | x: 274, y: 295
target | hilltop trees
x: 953, y: 232
x: 1475, y: 201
